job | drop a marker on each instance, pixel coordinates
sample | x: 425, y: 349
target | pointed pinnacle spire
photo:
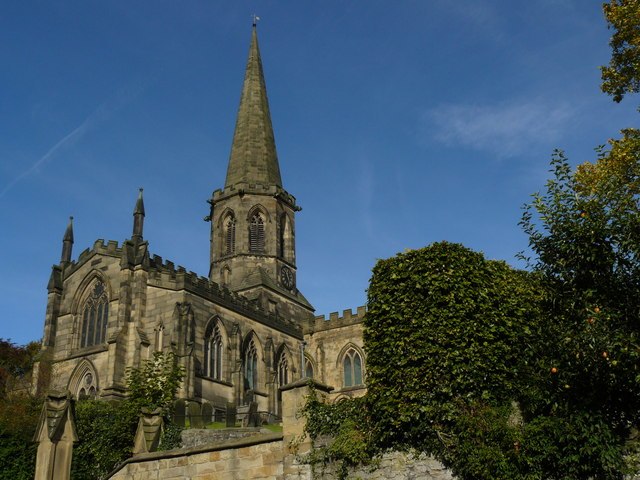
x: 67, y: 243
x: 138, y: 217
x: 253, y: 156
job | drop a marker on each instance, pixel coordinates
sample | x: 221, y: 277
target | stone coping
x: 186, y: 452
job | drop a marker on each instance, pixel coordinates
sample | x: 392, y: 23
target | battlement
x: 321, y: 322
x: 164, y: 274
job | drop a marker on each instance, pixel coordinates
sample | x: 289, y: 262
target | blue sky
x: 397, y: 124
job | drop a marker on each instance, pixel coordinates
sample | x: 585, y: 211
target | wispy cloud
x: 504, y: 130
x: 103, y: 112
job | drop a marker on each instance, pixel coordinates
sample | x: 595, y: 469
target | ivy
x: 339, y: 433
x: 445, y: 328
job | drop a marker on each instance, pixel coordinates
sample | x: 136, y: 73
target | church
x: 242, y: 332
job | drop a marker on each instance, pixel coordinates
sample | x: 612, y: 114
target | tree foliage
x: 155, y: 384
x: 622, y: 75
x: 105, y: 431
x: 585, y: 237
x: 16, y: 362
x: 19, y: 410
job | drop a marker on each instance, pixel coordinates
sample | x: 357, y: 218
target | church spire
x: 253, y: 156
x: 67, y: 243
x: 138, y: 217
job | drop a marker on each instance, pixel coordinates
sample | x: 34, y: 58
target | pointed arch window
x: 352, y: 368
x: 283, y: 370
x: 229, y: 227
x: 256, y: 234
x: 251, y: 366
x: 95, y: 313
x: 308, y: 368
x: 213, y: 353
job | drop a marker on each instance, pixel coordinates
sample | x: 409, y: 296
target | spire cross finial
x: 255, y: 19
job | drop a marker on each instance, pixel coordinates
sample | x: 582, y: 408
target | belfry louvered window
x: 229, y: 235
x: 95, y: 314
x: 256, y: 234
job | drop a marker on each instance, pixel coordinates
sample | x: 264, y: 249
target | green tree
x: 622, y: 75
x: 106, y: 431
x: 155, y: 383
x: 19, y: 410
x: 16, y: 363
x: 584, y: 234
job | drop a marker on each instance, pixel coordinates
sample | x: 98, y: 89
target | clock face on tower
x: 286, y: 277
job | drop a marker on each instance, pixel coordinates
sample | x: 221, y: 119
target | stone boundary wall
x: 194, y: 437
x: 394, y: 466
x: 259, y: 457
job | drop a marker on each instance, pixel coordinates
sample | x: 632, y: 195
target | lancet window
x: 308, y: 368
x: 352, y: 368
x: 256, y: 234
x: 283, y: 370
x: 251, y: 366
x: 213, y: 353
x: 95, y: 313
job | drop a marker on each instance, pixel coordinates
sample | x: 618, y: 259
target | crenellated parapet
x: 334, y: 320
x: 165, y: 274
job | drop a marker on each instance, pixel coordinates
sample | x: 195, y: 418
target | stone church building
x: 243, y: 331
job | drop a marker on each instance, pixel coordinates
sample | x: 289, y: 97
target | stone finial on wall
x: 55, y: 434
x: 148, y: 433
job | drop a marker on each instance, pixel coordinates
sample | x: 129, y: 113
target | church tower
x: 253, y: 217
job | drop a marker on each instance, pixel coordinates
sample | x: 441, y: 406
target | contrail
x: 103, y: 112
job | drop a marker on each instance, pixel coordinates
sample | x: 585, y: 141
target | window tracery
x: 251, y: 366
x: 95, y: 313
x: 283, y: 370
x: 352, y: 368
x: 213, y: 353
x: 87, y: 389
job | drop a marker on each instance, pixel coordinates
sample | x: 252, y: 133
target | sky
x: 397, y: 124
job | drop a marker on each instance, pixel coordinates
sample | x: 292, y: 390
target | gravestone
x: 231, y: 415
x: 207, y: 413
x: 195, y: 415
x: 179, y: 413
x: 253, y: 417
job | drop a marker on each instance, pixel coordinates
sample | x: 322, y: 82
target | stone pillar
x: 295, y: 441
x: 148, y: 433
x: 55, y: 434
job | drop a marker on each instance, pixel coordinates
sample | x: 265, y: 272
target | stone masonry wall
x: 394, y: 466
x: 259, y: 458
